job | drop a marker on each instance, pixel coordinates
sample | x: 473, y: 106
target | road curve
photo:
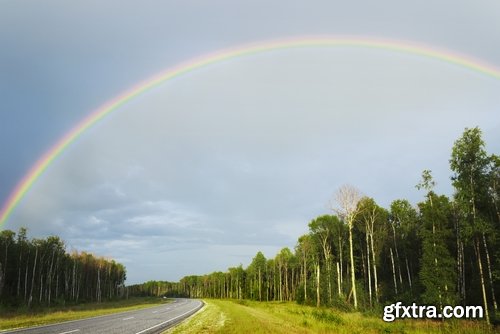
x: 146, y: 321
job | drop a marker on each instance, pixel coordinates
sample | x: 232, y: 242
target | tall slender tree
x: 404, y: 225
x: 469, y: 163
x: 347, y: 208
x: 322, y: 229
x: 303, y: 251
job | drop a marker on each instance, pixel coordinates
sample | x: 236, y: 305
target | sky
x: 201, y: 172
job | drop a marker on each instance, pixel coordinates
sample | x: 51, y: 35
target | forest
x: 40, y: 273
x: 443, y: 251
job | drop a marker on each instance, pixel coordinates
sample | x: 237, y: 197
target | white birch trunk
x: 394, y: 273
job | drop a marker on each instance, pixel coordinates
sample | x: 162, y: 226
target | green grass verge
x: 225, y: 316
x: 10, y: 319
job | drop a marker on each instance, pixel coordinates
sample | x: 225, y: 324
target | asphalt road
x: 147, y: 321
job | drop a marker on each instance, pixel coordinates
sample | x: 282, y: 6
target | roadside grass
x: 209, y: 319
x: 231, y: 316
x: 22, y: 317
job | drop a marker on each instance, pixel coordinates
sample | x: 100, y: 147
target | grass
x: 209, y: 319
x: 10, y: 319
x: 226, y: 316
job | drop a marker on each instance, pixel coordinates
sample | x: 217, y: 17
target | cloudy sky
x: 205, y: 170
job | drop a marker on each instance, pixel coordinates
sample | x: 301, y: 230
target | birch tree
x: 303, y: 251
x: 322, y: 228
x: 469, y: 162
x: 347, y: 198
x: 404, y: 225
x: 371, y: 219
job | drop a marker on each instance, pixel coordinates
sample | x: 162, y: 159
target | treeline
x: 40, y: 272
x: 443, y: 251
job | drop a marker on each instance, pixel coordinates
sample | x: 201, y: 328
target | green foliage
x: 325, y: 316
x: 438, y: 268
x: 427, y: 181
x: 471, y: 165
x: 39, y: 272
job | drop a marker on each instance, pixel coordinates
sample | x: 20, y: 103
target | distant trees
x: 41, y: 272
x: 257, y: 271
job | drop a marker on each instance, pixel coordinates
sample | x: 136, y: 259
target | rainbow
x: 302, y: 42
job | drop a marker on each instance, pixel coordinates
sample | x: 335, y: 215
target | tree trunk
x: 353, y: 274
x: 328, y: 276
x: 98, y: 287
x: 78, y: 285
x: 369, y: 270
x: 287, y: 292
x: 19, y: 273
x: 436, y: 263
x: 260, y: 286
x: 49, y: 277
x: 462, y: 256
x: 4, y: 275
x: 73, y: 287
x: 490, y: 276
x: 281, y: 285
x: 317, y: 285
x: 363, y: 267
x: 26, y: 278
x: 394, y: 273
x: 341, y: 266
x: 305, y: 280
x: 375, y: 276
x: 459, y: 261
x: 33, y: 279
x: 481, y: 275
x: 41, y: 284
x: 338, y: 279
x: 478, y: 252
x: 56, y: 293
x: 408, y: 273
x: 397, y: 257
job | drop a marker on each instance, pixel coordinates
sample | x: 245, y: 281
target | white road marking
x: 74, y: 330
x: 128, y: 318
x: 155, y: 311
x: 162, y: 323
